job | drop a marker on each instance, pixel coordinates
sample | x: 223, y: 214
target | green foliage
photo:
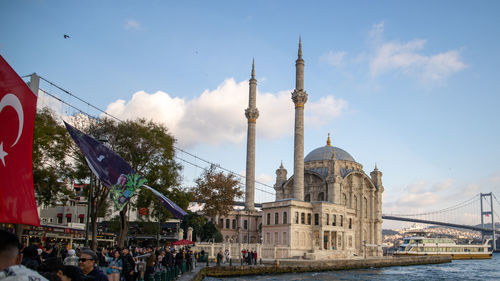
x: 196, y: 222
x: 51, y: 145
x: 210, y: 232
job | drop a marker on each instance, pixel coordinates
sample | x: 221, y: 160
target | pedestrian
x: 150, y: 263
x: 115, y: 266
x: 255, y: 257
x: 71, y: 259
x: 11, y: 268
x: 128, y: 265
x: 30, y: 257
x: 219, y: 257
x: 87, y: 262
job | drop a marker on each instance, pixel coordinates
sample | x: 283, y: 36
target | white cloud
x: 376, y: 32
x: 408, y: 58
x: 217, y: 116
x: 132, y: 25
x: 334, y: 58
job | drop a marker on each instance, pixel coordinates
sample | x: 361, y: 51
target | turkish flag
x: 17, y: 120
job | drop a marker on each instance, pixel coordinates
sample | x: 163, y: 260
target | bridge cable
x: 451, y: 208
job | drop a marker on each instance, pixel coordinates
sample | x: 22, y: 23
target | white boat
x: 428, y: 246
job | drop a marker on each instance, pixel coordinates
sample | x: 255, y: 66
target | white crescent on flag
x: 11, y: 100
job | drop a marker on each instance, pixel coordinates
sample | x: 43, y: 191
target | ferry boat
x: 429, y: 246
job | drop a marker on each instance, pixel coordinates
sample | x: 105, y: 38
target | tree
x: 196, y: 222
x: 211, y: 233
x: 217, y: 191
x: 51, y: 145
x: 148, y: 148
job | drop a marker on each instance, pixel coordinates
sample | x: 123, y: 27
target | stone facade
x: 241, y: 226
x: 328, y: 209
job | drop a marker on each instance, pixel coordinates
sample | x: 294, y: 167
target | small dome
x: 326, y: 152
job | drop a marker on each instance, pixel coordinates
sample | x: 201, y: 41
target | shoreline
x: 272, y: 267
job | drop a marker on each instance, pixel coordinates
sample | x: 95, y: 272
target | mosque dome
x: 326, y: 152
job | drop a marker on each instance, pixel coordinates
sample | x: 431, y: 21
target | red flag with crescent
x: 17, y: 120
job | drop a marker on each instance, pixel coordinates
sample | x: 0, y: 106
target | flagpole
x: 89, y: 202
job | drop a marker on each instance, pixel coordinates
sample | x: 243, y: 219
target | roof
x: 326, y: 152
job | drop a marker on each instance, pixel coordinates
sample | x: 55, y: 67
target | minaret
x: 299, y: 98
x: 252, y: 113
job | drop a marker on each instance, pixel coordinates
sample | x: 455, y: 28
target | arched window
x: 350, y: 223
x: 316, y: 219
x: 285, y: 218
x: 268, y: 218
x: 297, y: 217
x: 327, y: 219
x: 276, y: 218
x: 321, y: 196
x: 309, y: 219
x: 307, y: 198
x: 302, y: 218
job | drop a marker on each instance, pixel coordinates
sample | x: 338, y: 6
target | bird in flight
x: 66, y: 36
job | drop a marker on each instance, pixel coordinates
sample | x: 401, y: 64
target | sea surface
x: 456, y: 270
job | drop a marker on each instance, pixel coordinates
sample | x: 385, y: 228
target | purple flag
x: 111, y: 169
x: 177, y: 211
x: 115, y: 172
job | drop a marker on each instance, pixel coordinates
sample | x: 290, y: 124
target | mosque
x: 329, y: 208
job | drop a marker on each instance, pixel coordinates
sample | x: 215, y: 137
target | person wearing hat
x: 87, y: 263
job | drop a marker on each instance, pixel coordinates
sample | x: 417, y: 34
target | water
x: 456, y: 270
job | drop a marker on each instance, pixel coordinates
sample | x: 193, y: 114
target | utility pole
x: 89, y: 205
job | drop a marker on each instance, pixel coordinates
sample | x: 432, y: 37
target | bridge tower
x: 491, y: 214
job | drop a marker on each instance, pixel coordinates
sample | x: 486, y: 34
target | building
x: 329, y: 208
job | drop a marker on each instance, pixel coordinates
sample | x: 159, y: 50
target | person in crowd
x: 227, y: 256
x: 11, y: 268
x: 71, y: 259
x: 255, y: 257
x: 128, y: 265
x: 219, y: 257
x: 168, y: 260
x: 103, y: 257
x: 179, y: 259
x: 150, y: 263
x: 47, y: 252
x: 50, y: 267
x: 115, y: 266
x: 70, y: 273
x: 87, y: 263
x: 30, y: 257
x: 159, y: 260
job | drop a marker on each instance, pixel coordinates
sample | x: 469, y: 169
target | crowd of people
x: 33, y: 263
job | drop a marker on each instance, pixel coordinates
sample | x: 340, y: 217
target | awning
x: 81, y: 216
x: 59, y: 215
x: 68, y: 215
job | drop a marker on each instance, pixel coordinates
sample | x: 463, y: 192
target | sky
x: 409, y: 85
